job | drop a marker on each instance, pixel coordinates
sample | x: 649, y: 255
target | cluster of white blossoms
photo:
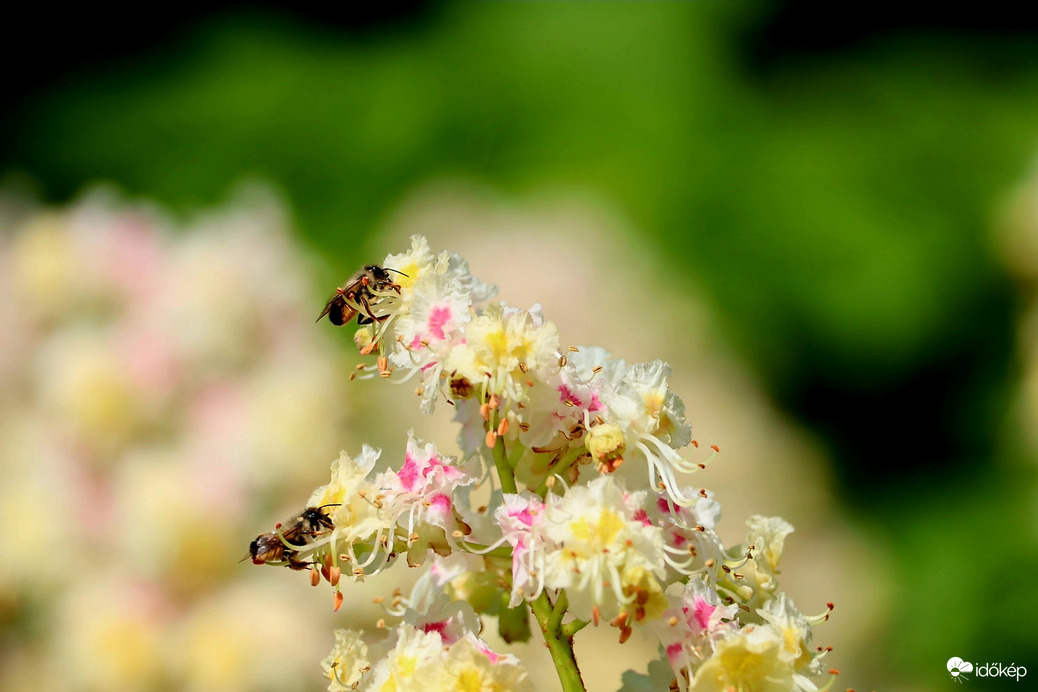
x: 588, y: 520
x: 150, y: 416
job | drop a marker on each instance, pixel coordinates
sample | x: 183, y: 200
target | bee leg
x: 295, y: 564
x: 367, y: 309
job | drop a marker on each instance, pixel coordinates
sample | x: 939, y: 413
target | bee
x: 355, y: 298
x: 282, y: 545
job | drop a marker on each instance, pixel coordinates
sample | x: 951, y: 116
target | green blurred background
x: 832, y: 184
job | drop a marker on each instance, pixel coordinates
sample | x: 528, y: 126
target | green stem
x: 504, y: 471
x: 574, y: 626
x: 548, y: 617
x: 559, y: 610
x: 559, y: 643
x: 560, y: 468
x: 500, y: 551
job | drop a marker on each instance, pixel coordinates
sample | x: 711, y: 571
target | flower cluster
x: 151, y: 415
x: 439, y: 650
x: 590, y: 518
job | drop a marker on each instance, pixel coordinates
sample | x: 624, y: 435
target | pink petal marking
x: 438, y: 317
x: 703, y: 612
x: 437, y: 627
x: 409, y: 473
x: 567, y: 396
x: 440, y: 504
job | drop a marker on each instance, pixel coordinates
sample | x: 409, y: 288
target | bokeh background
x: 829, y: 225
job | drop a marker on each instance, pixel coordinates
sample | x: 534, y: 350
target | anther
x: 597, y: 369
x: 562, y: 361
x: 502, y: 427
x: 315, y: 577
x: 418, y: 391
x: 574, y: 349
x: 380, y: 624
x: 715, y: 448
x: 336, y: 574
x: 524, y: 368
x: 484, y: 411
x: 595, y: 615
x: 338, y: 600
x: 491, y: 438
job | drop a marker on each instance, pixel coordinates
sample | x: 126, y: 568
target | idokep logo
x: 959, y: 669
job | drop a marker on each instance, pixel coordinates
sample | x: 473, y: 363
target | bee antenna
x: 331, y: 504
x: 390, y: 269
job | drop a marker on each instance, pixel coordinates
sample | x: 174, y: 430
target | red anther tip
x: 338, y: 600
x: 833, y: 671
x: 695, y: 444
x: 715, y: 448
x: 829, y: 605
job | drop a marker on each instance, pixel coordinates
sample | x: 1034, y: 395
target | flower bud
x: 606, y: 444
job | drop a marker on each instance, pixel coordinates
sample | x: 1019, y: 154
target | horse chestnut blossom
x: 590, y: 518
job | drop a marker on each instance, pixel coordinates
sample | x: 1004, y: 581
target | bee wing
x: 266, y: 548
x: 344, y: 311
x: 328, y: 307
